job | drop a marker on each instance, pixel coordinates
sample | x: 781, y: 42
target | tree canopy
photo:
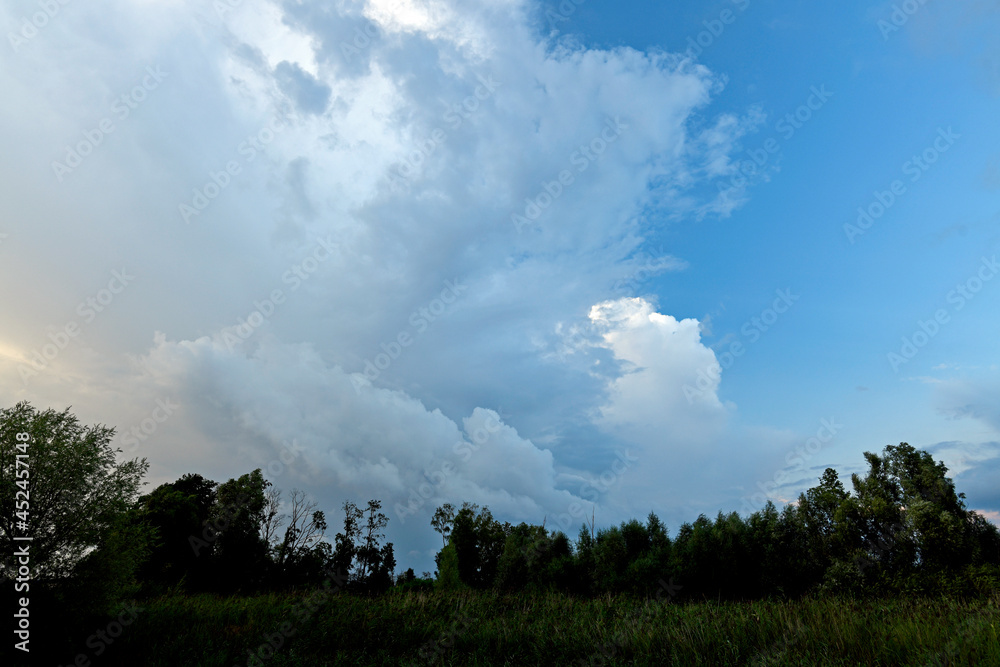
x: 79, y: 491
x: 902, y: 529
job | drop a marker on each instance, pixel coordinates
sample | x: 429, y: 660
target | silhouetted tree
x: 80, y: 499
x: 300, y: 555
x: 443, y: 520
x: 238, y: 518
x: 479, y: 541
x: 903, y: 529
x: 358, y: 550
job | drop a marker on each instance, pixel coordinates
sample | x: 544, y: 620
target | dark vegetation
x: 896, y: 571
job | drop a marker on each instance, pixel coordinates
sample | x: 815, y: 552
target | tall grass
x: 469, y: 628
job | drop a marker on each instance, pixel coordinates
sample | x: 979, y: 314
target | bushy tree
x: 652, y: 565
x: 532, y: 557
x: 80, y: 496
x: 479, y: 541
x: 821, y: 516
x: 586, y: 563
x: 76, y: 486
x: 446, y: 577
x: 177, y: 512
x: 238, y: 517
x: 174, y: 516
x: 610, y: 560
x: 915, y: 531
x: 201, y: 491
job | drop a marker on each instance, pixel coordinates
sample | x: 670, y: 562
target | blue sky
x: 494, y: 252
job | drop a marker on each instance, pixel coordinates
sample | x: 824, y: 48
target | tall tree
x: 238, y: 518
x: 64, y: 486
x: 300, y: 554
x: 361, y: 545
x: 177, y: 512
x: 200, y: 490
x: 443, y: 521
x: 479, y: 543
x: 77, y: 489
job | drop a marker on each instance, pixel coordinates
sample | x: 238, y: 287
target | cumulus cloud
x: 353, y: 438
x: 429, y: 194
x: 659, y: 392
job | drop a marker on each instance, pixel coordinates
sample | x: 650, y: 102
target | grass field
x: 551, y: 629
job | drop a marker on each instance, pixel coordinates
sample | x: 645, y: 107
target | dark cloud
x: 981, y: 483
x: 310, y: 95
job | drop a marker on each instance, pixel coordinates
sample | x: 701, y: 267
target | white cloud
x: 663, y: 355
x: 326, y: 173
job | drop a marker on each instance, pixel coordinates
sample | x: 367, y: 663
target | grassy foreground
x: 552, y: 629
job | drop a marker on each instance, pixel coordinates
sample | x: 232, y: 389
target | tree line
x: 235, y: 538
x: 95, y: 541
x: 901, y: 529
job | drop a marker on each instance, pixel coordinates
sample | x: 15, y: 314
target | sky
x: 554, y: 258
